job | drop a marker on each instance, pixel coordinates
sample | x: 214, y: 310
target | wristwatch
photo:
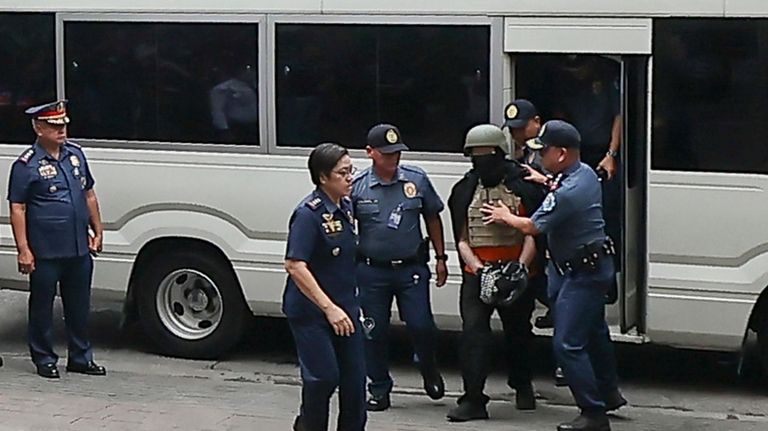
x: 441, y: 257
x: 612, y: 153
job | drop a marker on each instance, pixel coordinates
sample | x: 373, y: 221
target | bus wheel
x: 190, y: 304
x: 762, y: 342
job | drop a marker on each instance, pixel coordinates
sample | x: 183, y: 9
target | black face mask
x: 490, y: 167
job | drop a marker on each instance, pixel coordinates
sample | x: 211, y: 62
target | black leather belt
x: 391, y: 263
x: 587, y: 257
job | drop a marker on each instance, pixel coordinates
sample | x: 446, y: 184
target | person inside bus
x: 53, y: 207
x: 390, y: 201
x: 580, y: 272
x: 320, y: 297
x: 492, y: 178
x: 587, y: 94
x: 235, y: 104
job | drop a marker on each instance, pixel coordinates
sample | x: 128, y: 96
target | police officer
x: 522, y: 120
x: 523, y: 123
x: 53, y: 204
x: 580, y: 272
x: 389, y: 201
x: 320, y: 299
x: 492, y: 178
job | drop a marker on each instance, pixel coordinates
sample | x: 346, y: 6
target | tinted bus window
x: 710, y: 96
x: 169, y: 82
x: 336, y: 81
x: 27, y: 71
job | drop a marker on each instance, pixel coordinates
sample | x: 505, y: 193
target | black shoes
x: 49, y: 371
x: 586, y: 423
x: 467, y: 411
x: 614, y: 401
x: 298, y: 425
x: 560, y: 378
x: 525, y: 398
x: 434, y: 385
x: 91, y: 369
x: 378, y: 403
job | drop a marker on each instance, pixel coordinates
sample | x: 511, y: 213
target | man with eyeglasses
x: 389, y: 201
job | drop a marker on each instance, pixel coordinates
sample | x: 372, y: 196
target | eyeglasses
x: 346, y: 172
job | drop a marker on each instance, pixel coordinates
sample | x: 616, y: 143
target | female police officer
x: 320, y: 298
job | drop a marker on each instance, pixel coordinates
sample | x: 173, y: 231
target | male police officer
x: 522, y: 121
x: 580, y: 272
x: 492, y: 178
x: 52, y: 206
x: 389, y: 200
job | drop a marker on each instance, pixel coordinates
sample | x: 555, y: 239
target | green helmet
x: 485, y: 135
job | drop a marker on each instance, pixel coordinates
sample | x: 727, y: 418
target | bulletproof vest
x: 493, y: 235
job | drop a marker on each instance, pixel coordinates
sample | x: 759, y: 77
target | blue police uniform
x: 57, y: 217
x: 393, y: 264
x: 572, y: 218
x: 322, y: 235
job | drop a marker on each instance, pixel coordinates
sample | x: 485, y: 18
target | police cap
x: 52, y: 113
x: 559, y: 133
x: 518, y: 113
x: 386, y: 138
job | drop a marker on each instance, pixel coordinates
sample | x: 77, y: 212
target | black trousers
x: 477, y: 341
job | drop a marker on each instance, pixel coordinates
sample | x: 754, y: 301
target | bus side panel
x: 239, y: 203
x: 686, y: 319
x: 707, y: 259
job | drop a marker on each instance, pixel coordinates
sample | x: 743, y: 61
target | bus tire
x: 762, y: 341
x: 190, y: 304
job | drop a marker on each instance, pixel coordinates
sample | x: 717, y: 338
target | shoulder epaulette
x: 314, y: 203
x: 73, y: 144
x: 359, y: 175
x: 412, y: 168
x: 26, y: 155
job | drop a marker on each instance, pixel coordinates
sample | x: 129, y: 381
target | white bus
x: 197, y: 119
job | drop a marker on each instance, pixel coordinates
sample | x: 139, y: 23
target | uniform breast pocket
x: 50, y: 188
x: 367, y: 211
x: 339, y: 246
x: 412, y: 205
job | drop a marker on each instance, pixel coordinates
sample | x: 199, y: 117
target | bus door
x: 594, y: 73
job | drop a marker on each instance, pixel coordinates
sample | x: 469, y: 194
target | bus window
x: 334, y: 81
x: 710, y: 95
x: 27, y: 71
x: 167, y: 82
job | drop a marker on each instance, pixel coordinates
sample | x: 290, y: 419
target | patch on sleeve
x: 26, y: 155
x: 549, y: 203
x: 314, y: 203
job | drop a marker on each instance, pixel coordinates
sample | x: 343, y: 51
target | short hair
x: 323, y: 159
